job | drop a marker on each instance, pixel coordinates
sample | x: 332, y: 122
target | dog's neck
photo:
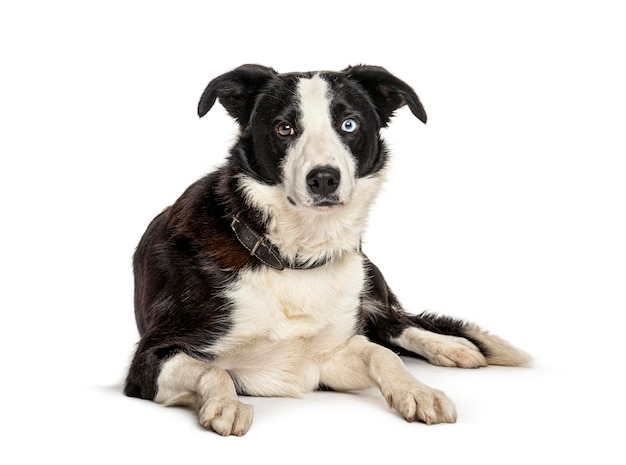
x: 259, y: 246
x: 304, y: 237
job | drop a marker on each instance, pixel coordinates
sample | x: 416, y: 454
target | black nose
x: 323, y: 180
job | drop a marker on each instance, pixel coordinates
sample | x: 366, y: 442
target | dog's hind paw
x: 422, y: 403
x: 226, y: 416
x: 441, y: 349
x: 453, y: 351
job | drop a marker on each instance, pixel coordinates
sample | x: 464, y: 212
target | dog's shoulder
x: 200, y: 220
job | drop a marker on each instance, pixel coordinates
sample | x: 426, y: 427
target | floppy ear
x: 387, y: 91
x: 236, y: 91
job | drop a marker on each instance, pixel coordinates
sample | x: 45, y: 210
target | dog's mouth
x: 326, y: 205
x: 323, y: 204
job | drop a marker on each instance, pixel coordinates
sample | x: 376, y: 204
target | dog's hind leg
x: 440, y: 340
x: 450, y: 342
x: 186, y: 381
x: 440, y: 349
x: 361, y: 364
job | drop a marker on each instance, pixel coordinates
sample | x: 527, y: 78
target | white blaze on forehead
x: 318, y: 144
x: 315, y: 105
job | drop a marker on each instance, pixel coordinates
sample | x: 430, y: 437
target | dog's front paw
x: 226, y: 416
x: 422, y: 403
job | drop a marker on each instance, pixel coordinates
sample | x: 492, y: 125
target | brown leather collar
x: 260, y: 247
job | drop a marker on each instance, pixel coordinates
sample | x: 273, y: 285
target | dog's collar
x: 260, y: 247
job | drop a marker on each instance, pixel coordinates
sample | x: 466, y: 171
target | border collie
x: 254, y: 282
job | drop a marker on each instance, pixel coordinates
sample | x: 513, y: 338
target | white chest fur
x: 285, y: 323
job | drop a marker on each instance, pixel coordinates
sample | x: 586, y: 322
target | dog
x: 254, y: 282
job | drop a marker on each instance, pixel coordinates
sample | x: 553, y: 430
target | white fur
x: 285, y: 323
x: 360, y: 363
x: 317, y: 145
x: 309, y: 235
x: 186, y: 381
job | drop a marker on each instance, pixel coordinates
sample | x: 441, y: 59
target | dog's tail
x: 496, y: 350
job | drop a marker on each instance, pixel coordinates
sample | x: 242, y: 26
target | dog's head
x: 313, y: 135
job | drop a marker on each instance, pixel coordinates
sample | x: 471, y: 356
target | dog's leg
x: 440, y: 349
x: 450, y: 342
x: 361, y: 364
x: 440, y: 340
x: 186, y: 381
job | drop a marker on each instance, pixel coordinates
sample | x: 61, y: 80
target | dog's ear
x: 387, y: 91
x: 236, y: 91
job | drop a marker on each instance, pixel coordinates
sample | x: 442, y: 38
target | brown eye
x: 285, y: 130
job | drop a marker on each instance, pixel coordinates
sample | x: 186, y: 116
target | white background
x: 507, y: 209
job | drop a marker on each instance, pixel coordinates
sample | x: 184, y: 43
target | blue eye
x: 349, y: 125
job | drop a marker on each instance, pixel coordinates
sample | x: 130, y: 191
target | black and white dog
x: 254, y: 282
